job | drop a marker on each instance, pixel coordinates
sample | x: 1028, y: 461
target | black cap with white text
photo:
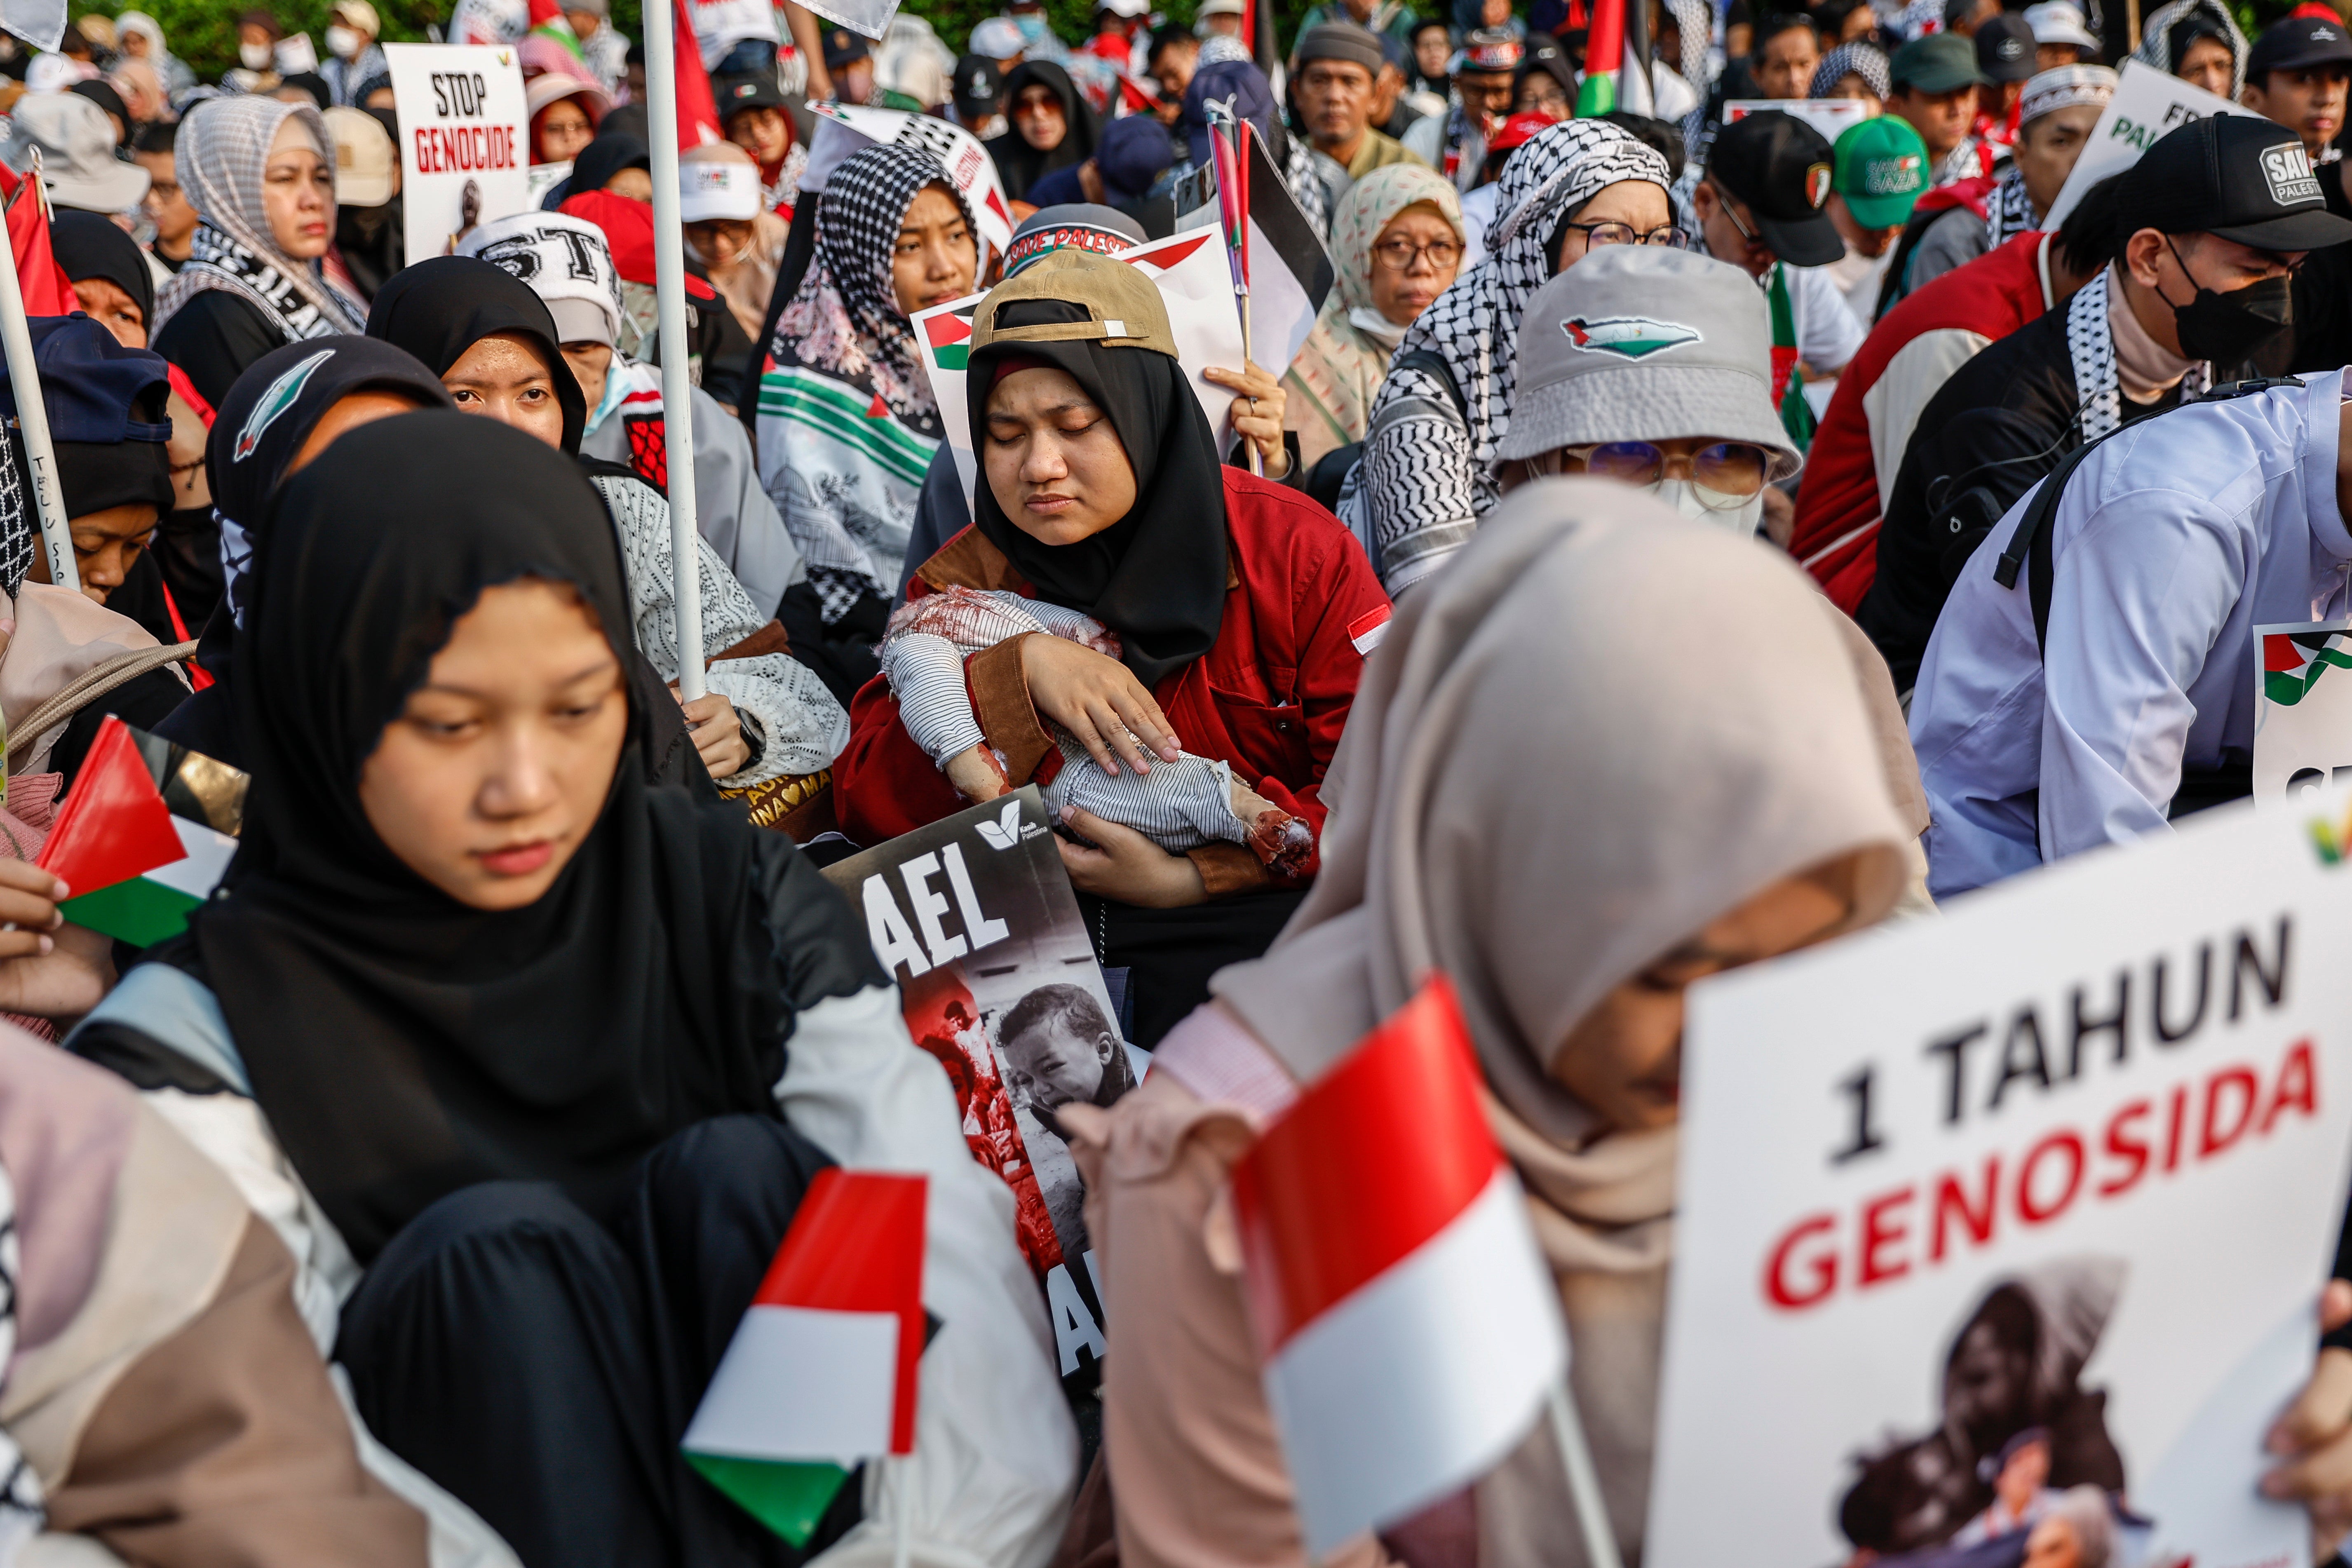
x: 2231, y: 174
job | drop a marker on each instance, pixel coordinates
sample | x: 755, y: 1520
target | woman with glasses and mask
x: 1653, y: 367
x: 1396, y: 242
x: 1427, y: 475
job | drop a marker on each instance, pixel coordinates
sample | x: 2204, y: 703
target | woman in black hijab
x: 108, y: 271
x: 547, y: 1045
x: 1021, y: 162
x: 264, y: 432
x: 1243, y: 611
x: 601, y: 162
x: 440, y: 309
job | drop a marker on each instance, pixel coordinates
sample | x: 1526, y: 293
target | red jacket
x: 1270, y: 697
x: 1836, y: 536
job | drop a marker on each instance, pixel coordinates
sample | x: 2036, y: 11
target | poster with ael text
x: 2011, y: 1223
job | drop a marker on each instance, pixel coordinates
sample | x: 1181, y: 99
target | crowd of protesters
x: 399, y: 1210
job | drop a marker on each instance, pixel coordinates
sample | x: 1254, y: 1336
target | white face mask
x: 255, y: 55
x: 1691, y: 502
x: 342, y: 43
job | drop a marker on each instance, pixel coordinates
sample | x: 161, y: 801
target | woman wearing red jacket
x: 1244, y: 612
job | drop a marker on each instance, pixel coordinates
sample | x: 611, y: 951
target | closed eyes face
x: 504, y: 377
x: 1053, y: 459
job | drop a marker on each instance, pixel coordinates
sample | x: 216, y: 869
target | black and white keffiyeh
x: 2091, y: 345
x: 21, y: 1514
x: 2211, y: 16
x: 1222, y: 49
x: 1857, y: 59
x: 1969, y: 160
x: 2009, y: 210
x: 16, y: 526
x: 223, y: 149
x: 846, y: 423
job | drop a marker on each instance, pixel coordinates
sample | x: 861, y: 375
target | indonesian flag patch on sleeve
x: 1366, y: 630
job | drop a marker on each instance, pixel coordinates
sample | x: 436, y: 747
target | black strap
x: 2029, y: 542
x: 1433, y: 362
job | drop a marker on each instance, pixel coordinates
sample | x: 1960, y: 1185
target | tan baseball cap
x: 363, y: 158
x: 1124, y: 310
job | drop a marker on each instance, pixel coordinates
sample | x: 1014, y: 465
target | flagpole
x: 677, y: 383
x: 32, y: 414
x: 902, y: 1544
x: 1583, y: 1482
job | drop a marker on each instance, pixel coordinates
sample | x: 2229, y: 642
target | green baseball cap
x: 1938, y: 63
x: 1880, y: 166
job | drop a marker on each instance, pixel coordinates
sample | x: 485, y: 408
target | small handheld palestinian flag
x: 821, y: 1374
x: 144, y: 834
x: 949, y: 336
x: 547, y: 21
x: 2291, y: 662
x: 1604, y: 54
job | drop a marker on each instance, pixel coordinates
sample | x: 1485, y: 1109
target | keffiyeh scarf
x: 20, y: 1489
x: 846, y: 424
x: 2156, y: 36
x: 1851, y: 60
x: 223, y: 148
x: 2091, y: 345
x: 2010, y: 211
x: 1969, y: 160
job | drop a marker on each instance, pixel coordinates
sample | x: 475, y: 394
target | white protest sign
x: 2303, y: 710
x: 2146, y: 104
x: 464, y: 156
x: 1194, y: 278
x: 843, y: 129
x: 2070, y: 1158
x: 1832, y: 117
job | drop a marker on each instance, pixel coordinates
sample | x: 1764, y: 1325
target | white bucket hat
x: 77, y: 147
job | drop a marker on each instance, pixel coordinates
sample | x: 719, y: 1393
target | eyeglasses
x: 1600, y: 234
x: 1399, y: 255
x: 1731, y: 211
x: 1726, y: 474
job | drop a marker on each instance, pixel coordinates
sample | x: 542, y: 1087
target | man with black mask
x: 2093, y: 674
x: 2211, y: 225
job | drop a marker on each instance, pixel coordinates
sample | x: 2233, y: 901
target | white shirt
x: 1827, y: 334
x: 1858, y: 277
x: 720, y: 25
x: 2175, y: 540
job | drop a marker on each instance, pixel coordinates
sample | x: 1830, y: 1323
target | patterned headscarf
x: 2009, y: 210
x: 1474, y: 325
x: 21, y: 1514
x: 1222, y: 49
x: 846, y: 423
x: 223, y: 148
x: 2211, y: 16
x: 1853, y: 59
x: 17, y: 524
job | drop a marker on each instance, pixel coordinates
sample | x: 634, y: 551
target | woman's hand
x: 2316, y: 1437
x: 47, y: 969
x: 718, y: 733
x: 1126, y: 865
x: 1257, y: 413
x: 1099, y: 701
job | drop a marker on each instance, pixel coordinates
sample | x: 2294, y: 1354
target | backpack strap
x: 1431, y: 362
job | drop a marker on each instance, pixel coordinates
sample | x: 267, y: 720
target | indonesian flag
x: 48, y: 291
x: 1408, y: 1329
x: 2291, y: 662
x: 136, y: 840
x: 821, y: 1372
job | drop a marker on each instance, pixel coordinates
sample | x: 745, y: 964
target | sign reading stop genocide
x: 464, y: 155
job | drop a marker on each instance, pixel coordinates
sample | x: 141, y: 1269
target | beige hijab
x: 1599, y: 729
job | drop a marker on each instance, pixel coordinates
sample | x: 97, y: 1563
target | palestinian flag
x: 2291, y: 662
x: 949, y: 335
x: 144, y: 835
x: 547, y: 21
x: 821, y: 1372
x: 1604, y: 54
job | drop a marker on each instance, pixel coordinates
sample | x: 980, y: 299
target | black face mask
x: 2227, y: 328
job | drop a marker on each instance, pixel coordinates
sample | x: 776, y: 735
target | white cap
x: 364, y: 158
x: 2059, y: 22
x: 717, y: 180
x: 1130, y: 9
x: 567, y: 262
x: 2065, y: 87
x: 998, y: 38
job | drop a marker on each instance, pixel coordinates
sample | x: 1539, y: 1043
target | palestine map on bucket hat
x: 1779, y: 167
x: 2245, y: 179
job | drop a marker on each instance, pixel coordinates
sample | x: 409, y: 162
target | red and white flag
x: 1408, y: 1328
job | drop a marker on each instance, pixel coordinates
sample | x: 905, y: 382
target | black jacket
x: 2003, y: 421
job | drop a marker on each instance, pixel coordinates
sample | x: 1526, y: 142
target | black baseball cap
x: 979, y: 83
x: 1779, y: 167
x: 756, y: 90
x: 2231, y: 174
x: 2297, y: 44
x: 2005, y: 48
x: 842, y: 46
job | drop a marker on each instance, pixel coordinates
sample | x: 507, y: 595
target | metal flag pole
x: 1233, y: 213
x: 902, y: 1535
x: 32, y: 414
x: 1583, y: 1482
x: 677, y: 383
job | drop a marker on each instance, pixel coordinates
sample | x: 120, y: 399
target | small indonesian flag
x: 949, y: 336
x: 1369, y: 630
x: 2291, y: 662
x: 1407, y: 1328
x: 135, y: 839
x: 821, y: 1372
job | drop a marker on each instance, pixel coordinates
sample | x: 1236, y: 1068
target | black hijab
x: 404, y: 1045
x: 91, y: 245
x: 1019, y: 163
x: 1157, y: 576
x: 606, y: 157
x: 440, y: 307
